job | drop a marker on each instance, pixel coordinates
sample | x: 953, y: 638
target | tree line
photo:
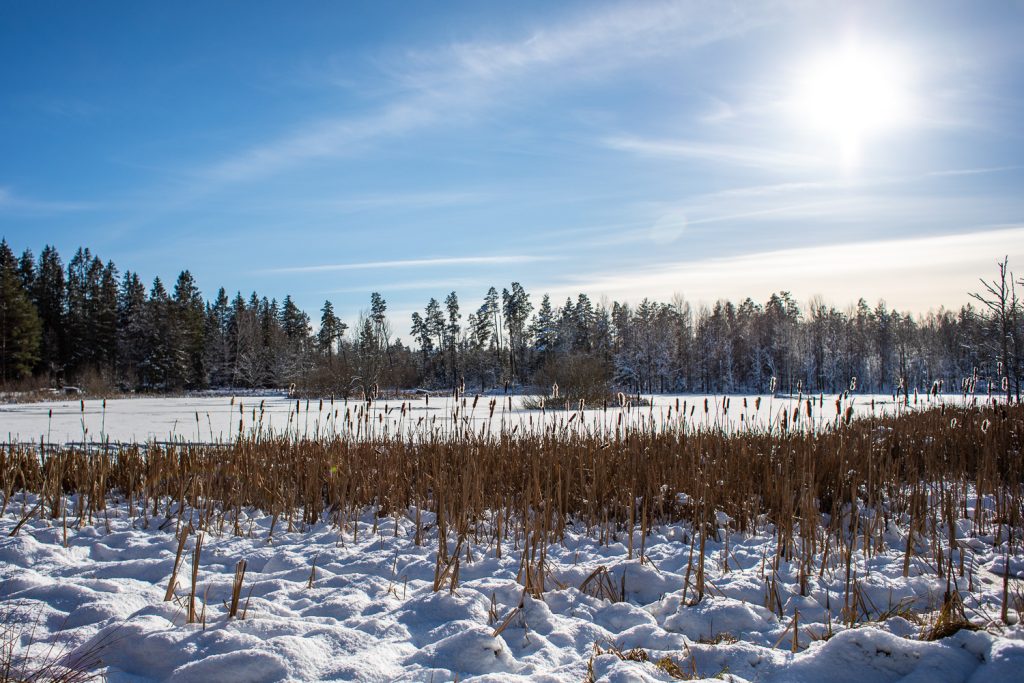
x: 89, y: 323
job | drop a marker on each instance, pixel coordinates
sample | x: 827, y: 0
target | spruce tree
x: 19, y: 323
x: 189, y: 316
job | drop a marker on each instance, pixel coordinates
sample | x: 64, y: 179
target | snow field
x: 351, y: 604
x: 220, y: 418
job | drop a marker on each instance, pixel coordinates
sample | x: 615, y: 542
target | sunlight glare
x: 852, y: 94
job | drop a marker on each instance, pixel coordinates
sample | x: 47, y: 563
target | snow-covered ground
x: 329, y: 604
x: 207, y: 419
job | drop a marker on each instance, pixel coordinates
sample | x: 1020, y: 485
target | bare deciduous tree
x: 1000, y: 297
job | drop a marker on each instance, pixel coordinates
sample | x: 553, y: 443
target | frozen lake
x: 220, y: 418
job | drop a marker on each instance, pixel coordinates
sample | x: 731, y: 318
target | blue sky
x: 706, y: 149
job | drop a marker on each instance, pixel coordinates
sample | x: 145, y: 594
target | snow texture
x: 220, y: 418
x: 370, y: 614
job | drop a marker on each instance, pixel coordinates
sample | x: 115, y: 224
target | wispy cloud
x: 414, y: 263
x: 756, y: 157
x: 318, y: 139
x: 976, y: 171
x: 810, y: 207
x: 463, y: 285
x: 917, y: 273
x: 14, y: 203
x: 401, y: 200
x: 457, y: 80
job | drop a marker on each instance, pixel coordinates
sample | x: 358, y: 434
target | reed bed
x: 825, y: 494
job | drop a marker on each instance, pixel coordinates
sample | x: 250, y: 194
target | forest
x: 90, y: 324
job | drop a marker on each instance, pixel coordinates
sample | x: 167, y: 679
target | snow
x: 371, y: 614
x: 218, y: 418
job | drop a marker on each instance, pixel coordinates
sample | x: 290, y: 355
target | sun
x: 851, y: 95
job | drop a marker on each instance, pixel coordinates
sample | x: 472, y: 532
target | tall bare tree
x: 1000, y: 297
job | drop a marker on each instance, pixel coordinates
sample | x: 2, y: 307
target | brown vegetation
x: 512, y: 490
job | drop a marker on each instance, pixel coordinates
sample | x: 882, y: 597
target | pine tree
x: 217, y: 347
x: 19, y: 323
x: 453, y: 331
x: 584, y: 324
x: 27, y: 271
x: 421, y: 333
x: 48, y: 296
x: 160, y: 365
x: 516, y: 306
x: 106, y: 320
x: 544, y: 333
x: 189, y: 316
x: 294, y: 322
x: 131, y: 327
x: 77, y: 348
x: 331, y: 331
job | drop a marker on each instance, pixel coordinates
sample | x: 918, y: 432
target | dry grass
x: 517, y: 490
x: 24, y: 660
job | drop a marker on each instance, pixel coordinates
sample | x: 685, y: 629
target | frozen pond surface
x: 219, y: 418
